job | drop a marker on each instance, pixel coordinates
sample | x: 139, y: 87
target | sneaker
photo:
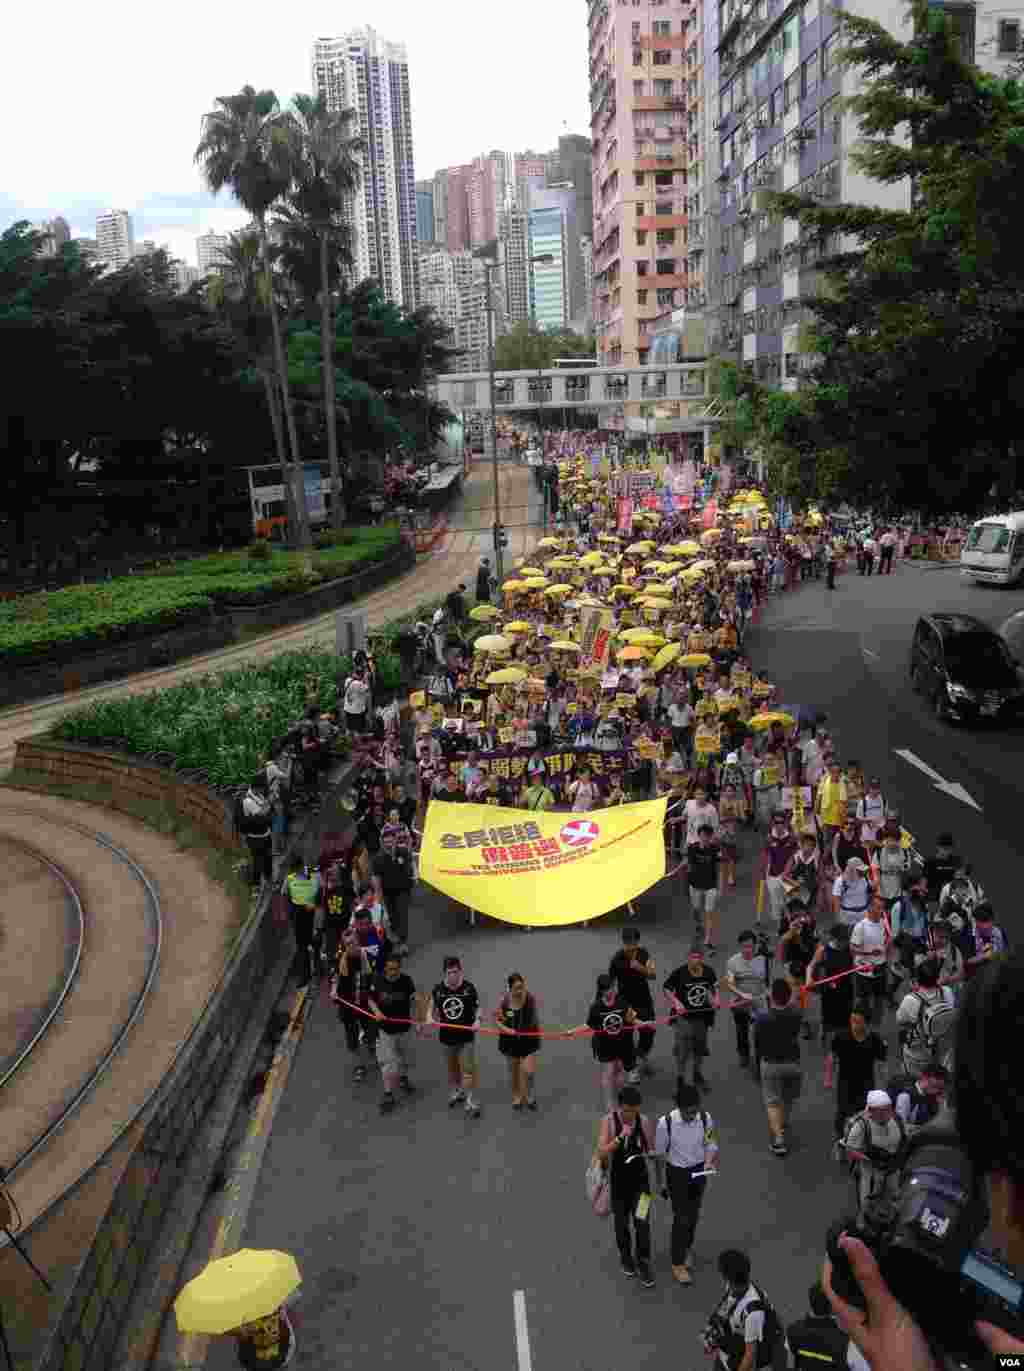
x: 646, y: 1275
x: 531, y: 1104
x: 779, y: 1148
x: 387, y: 1104
x: 407, y: 1086
x: 472, y: 1109
x: 359, y: 1074
x: 628, y: 1269
x: 682, y: 1274
x: 517, y: 1104
x: 456, y: 1097
x: 633, y: 1077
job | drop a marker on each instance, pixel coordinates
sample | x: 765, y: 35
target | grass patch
x: 224, y: 866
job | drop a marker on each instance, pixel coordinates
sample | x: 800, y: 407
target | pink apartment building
x: 646, y: 102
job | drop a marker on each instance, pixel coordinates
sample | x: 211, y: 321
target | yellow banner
x: 564, y: 868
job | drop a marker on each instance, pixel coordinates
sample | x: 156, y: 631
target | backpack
x: 907, y: 1084
x: 891, y: 1161
x: 934, y: 1024
x: 771, y: 1349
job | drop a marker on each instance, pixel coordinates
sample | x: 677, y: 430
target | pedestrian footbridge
x: 654, y: 399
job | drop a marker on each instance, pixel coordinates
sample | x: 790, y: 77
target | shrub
x: 260, y: 552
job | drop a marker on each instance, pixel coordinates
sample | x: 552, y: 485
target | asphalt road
x: 414, y: 1232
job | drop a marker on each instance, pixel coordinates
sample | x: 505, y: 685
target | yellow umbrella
x: 559, y: 590
x: 514, y: 585
x: 710, y: 535
x: 517, y: 626
x: 656, y: 602
x: 632, y: 654
x: 687, y: 548
x: 656, y: 565
x: 562, y: 563
x: 740, y: 566
x: 508, y: 675
x: 624, y: 590
x: 483, y: 612
x: 643, y: 636
x: 525, y: 571
x: 564, y: 645
x: 705, y: 565
x: 417, y: 699
x: 607, y: 538
x: 656, y: 588
x: 638, y: 549
x: 492, y: 642
x: 695, y: 659
x: 604, y: 571
x: 549, y: 542
x: 536, y: 582
x: 773, y: 716
x: 248, y: 1285
x: 592, y: 559
x: 667, y: 654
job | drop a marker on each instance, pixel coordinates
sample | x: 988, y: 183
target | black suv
x: 965, y: 669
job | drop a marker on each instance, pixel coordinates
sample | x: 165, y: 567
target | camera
x: 924, y: 1242
x: 717, y: 1336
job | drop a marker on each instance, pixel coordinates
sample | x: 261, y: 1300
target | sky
x: 123, y: 99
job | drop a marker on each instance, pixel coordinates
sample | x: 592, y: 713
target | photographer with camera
x: 910, y: 1286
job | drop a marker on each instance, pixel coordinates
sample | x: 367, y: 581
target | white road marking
x: 951, y: 788
x: 868, y: 653
x: 525, y: 1362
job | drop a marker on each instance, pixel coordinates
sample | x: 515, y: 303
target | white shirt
x: 698, y: 814
x: 750, y: 1327
x: 680, y: 715
x: 853, y: 896
x: 867, y: 942
x: 356, y: 693
x: 691, y: 1140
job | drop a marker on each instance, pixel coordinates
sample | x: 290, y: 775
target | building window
x: 636, y: 30
x: 662, y: 57
x: 662, y: 28
x: 665, y: 266
x: 641, y: 268
x: 663, y: 89
x: 809, y: 73
x: 638, y: 57
x: 666, y: 237
x: 638, y: 88
x: 808, y: 12
x: 831, y: 118
x: 790, y: 92
x: 641, y: 297
x: 641, y: 238
x: 791, y: 35
x: 638, y: 178
x: 666, y: 297
x: 663, y: 207
x: 1009, y: 36
x: 829, y: 54
x: 662, y: 179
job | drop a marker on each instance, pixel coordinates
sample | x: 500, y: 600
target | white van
x: 994, y: 549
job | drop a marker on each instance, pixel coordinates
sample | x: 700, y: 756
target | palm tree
x: 245, y: 146
x: 325, y: 171
x: 240, y: 292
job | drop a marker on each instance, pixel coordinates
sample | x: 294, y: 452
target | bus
x: 994, y: 549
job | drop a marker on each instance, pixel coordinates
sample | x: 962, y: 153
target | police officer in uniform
x: 302, y: 887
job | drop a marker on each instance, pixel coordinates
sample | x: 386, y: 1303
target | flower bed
x: 37, y: 627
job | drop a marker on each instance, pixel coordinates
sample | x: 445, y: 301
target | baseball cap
x: 878, y: 1099
x: 732, y: 759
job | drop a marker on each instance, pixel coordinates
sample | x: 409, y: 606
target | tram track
x: 84, y: 1032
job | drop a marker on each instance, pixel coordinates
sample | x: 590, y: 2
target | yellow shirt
x: 832, y: 800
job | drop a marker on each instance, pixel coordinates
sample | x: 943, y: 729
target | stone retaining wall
x: 62, y: 674
x: 124, y: 775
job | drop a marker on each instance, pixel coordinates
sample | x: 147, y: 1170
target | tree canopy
x: 528, y: 348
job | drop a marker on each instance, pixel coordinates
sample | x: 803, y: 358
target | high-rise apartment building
x: 646, y: 100
x: 514, y: 256
x: 362, y: 71
x: 486, y: 188
x: 210, y: 250
x: 115, y: 238
x: 556, y: 287
x: 587, y: 255
x: 424, y: 212
x: 572, y: 161
x: 525, y: 166
x: 776, y: 93
x: 454, y: 284
x: 184, y: 276
x: 55, y: 234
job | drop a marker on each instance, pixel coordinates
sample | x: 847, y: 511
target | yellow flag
x: 543, y: 869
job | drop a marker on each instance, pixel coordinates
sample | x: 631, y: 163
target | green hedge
x: 183, y: 592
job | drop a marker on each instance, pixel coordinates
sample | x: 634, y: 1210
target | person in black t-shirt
x: 692, y: 991
x: 702, y: 858
x: 393, y: 880
x: 519, y: 1023
x: 854, y: 1053
x: 610, y: 1022
x: 632, y: 969
x: 391, y: 998
x: 816, y: 1340
x: 455, y: 1006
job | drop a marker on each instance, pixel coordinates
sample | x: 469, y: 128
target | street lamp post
x: 499, y: 532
